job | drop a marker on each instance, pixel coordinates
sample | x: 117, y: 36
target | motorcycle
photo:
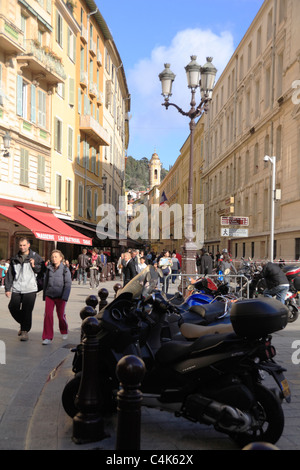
x: 258, y: 285
x: 215, y: 380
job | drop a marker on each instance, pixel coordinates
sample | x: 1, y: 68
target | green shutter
x: 24, y: 165
x: 41, y: 172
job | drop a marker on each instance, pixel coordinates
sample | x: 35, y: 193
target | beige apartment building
x: 255, y: 112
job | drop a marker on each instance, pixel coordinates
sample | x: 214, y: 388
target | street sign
x: 235, y: 221
x: 234, y: 232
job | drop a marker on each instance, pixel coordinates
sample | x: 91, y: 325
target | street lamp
x: 272, y: 160
x: 6, y: 144
x: 203, y: 77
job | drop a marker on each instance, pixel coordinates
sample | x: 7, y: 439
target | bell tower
x: 154, y: 170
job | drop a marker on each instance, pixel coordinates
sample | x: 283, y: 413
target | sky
x: 149, y: 34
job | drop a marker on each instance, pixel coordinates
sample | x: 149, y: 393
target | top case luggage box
x: 257, y: 318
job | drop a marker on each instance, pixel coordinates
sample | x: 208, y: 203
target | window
x: 95, y: 205
x: 258, y: 42
x: 24, y: 167
x: 59, y: 29
x: 249, y: 55
x: 71, y: 45
x: 58, y: 135
x: 58, y: 190
x: 270, y: 25
x: 278, y: 142
x: 256, y: 154
x: 22, y: 97
x: 71, y: 91
x: 89, y: 204
x: 41, y: 172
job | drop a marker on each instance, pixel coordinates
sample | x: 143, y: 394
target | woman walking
x: 57, y: 288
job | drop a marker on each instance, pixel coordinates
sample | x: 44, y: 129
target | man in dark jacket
x: 129, y: 268
x: 83, y: 265
x: 276, y: 280
x: 21, y: 285
x: 206, y: 262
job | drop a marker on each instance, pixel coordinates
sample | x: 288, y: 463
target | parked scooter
x: 215, y: 380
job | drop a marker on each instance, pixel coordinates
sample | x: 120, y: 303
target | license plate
x: 285, y: 388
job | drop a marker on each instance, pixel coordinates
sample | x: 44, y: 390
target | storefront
x: 44, y: 230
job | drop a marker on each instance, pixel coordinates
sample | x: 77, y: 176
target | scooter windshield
x: 143, y: 283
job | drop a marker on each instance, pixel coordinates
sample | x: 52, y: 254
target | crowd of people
x: 21, y: 274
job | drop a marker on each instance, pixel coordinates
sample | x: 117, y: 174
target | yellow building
x: 51, y: 109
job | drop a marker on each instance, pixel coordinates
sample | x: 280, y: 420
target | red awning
x: 45, y: 226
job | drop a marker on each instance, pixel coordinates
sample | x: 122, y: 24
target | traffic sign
x: 234, y: 232
x: 235, y: 221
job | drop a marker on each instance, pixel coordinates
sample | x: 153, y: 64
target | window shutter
x: 79, y: 100
x: 24, y: 164
x: 41, y: 173
x: 71, y: 92
x: 33, y: 105
x: 19, y: 95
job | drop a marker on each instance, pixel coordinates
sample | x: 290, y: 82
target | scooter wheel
x: 69, y: 394
x: 268, y: 416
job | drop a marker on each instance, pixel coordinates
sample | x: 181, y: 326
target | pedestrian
x: 21, y: 285
x: 83, y: 265
x: 276, y: 280
x: 57, y: 288
x: 227, y: 266
x: 206, y: 262
x: 165, y: 264
x: 3, y: 269
x: 94, y: 268
x: 175, y: 267
x: 142, y: 264
x: 129, y: 268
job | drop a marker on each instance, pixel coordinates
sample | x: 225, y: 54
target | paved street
x: 33, y: 377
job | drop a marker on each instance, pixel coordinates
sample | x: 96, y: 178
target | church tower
x: 155, y: 170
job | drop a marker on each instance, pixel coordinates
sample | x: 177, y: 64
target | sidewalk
x: 33, y: 378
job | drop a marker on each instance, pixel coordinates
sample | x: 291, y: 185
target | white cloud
x: 150, y: 120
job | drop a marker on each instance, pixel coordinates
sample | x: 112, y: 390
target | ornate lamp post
x: 204, y: 78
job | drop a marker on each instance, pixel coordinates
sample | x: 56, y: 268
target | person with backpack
x: 57, y: 288
x: 21, y: 285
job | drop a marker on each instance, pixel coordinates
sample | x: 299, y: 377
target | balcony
x: 42, y: 63
x: 83, y: 78
x: 11, y: 38
x: 94, y: 130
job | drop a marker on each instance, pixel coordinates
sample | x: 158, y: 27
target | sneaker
x: 24, y: 336
x: 47, y: 341
x: 64, y: 336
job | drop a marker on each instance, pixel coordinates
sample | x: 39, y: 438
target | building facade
x: 254, y: 113
x: 51, y: 106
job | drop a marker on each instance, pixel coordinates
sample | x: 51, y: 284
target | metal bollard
x: 103, y: 294
x: 130, y: 371
x: 85, y: 312
x: 117, y: 287
x: 92, y: 301
x: 88, y: 423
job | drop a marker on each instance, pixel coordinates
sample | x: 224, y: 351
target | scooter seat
x: 175, y: 350
x: 192, y: 331
x: 209, y: 312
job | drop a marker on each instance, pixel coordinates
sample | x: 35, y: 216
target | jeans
x: 174, y: 272
x: 94, y: 282
x: 82, y: 274
x: 20, y: 307
x: 278, y: 291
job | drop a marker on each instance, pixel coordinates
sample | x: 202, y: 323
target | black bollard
x: 130, y: 371
x: 103, y: 294
x: 117, y: 287
x: 88, y: 423
x: 85, y: 312
x: 92, y: 301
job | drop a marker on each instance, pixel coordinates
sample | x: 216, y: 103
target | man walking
x: 83, y: 264
x: 21, y: 285
x: 129, y: 268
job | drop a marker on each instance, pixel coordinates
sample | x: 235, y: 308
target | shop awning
x: 45, y: 226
